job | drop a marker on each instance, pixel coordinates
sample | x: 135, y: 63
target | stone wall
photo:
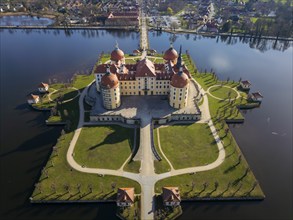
x: 114, y: 118
x: 177, y: 118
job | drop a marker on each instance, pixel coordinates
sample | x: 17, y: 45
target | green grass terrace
x: 188, y: 145
x: 104, y: 146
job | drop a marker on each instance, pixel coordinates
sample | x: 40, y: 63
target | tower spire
x: 116, y: 45
x: 179, y: 60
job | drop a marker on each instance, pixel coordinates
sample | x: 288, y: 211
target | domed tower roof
x: 170, y: 54
x: 179, y: 80
x: 117, y: 54
x: 109, y: 80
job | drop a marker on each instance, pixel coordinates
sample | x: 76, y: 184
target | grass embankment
x: 160, y: 166
x: 59, y: 181
x: 195, y: 147
x: 104, y: 146
x: 233, y: 178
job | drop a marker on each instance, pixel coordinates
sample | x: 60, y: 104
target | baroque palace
x: 170, y: 78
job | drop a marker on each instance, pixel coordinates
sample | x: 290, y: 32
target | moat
x: 269, y: 125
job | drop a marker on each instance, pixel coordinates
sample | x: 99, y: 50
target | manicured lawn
x: 81, y: 81
x: 67, y: 93
x: 61, y: 176
x: 104, y: 146
x: 188, y: 145
x: 223, y: 92
x: 160, y: 166
x: 132, y: 166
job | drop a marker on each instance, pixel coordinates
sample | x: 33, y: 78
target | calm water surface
x: 29, y: 57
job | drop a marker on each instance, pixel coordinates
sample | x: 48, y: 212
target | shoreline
x: 129, y: 28
x: 183, y: 200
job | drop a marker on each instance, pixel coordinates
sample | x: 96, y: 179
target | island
x: 145, y: 128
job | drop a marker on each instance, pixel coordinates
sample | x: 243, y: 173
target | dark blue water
x: 25, y: 21
x: 29, y: 57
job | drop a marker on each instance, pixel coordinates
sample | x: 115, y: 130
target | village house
x: 43, y: 87
x: 125, y: 197
x: 245, y: 85
x: 33, y: 99
x: 171, y: 196
x: 255, y: 97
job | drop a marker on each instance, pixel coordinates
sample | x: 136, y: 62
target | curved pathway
x: 68, y: 100
x: 215, y: 97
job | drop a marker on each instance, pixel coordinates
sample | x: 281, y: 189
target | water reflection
x: 260, y: 44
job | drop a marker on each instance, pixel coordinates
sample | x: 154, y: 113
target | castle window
x: 129, y: 87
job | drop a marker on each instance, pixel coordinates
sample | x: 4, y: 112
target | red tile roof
x: 171, y: 194
x: 43, y: 85
x: 125, y: 195
x: 144, y: 68
x: 32, y: 96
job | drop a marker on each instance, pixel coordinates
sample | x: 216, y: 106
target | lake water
x: 25, y: 21
x: 31, y: 56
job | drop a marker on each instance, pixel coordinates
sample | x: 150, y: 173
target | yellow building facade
x: 143, y: 78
